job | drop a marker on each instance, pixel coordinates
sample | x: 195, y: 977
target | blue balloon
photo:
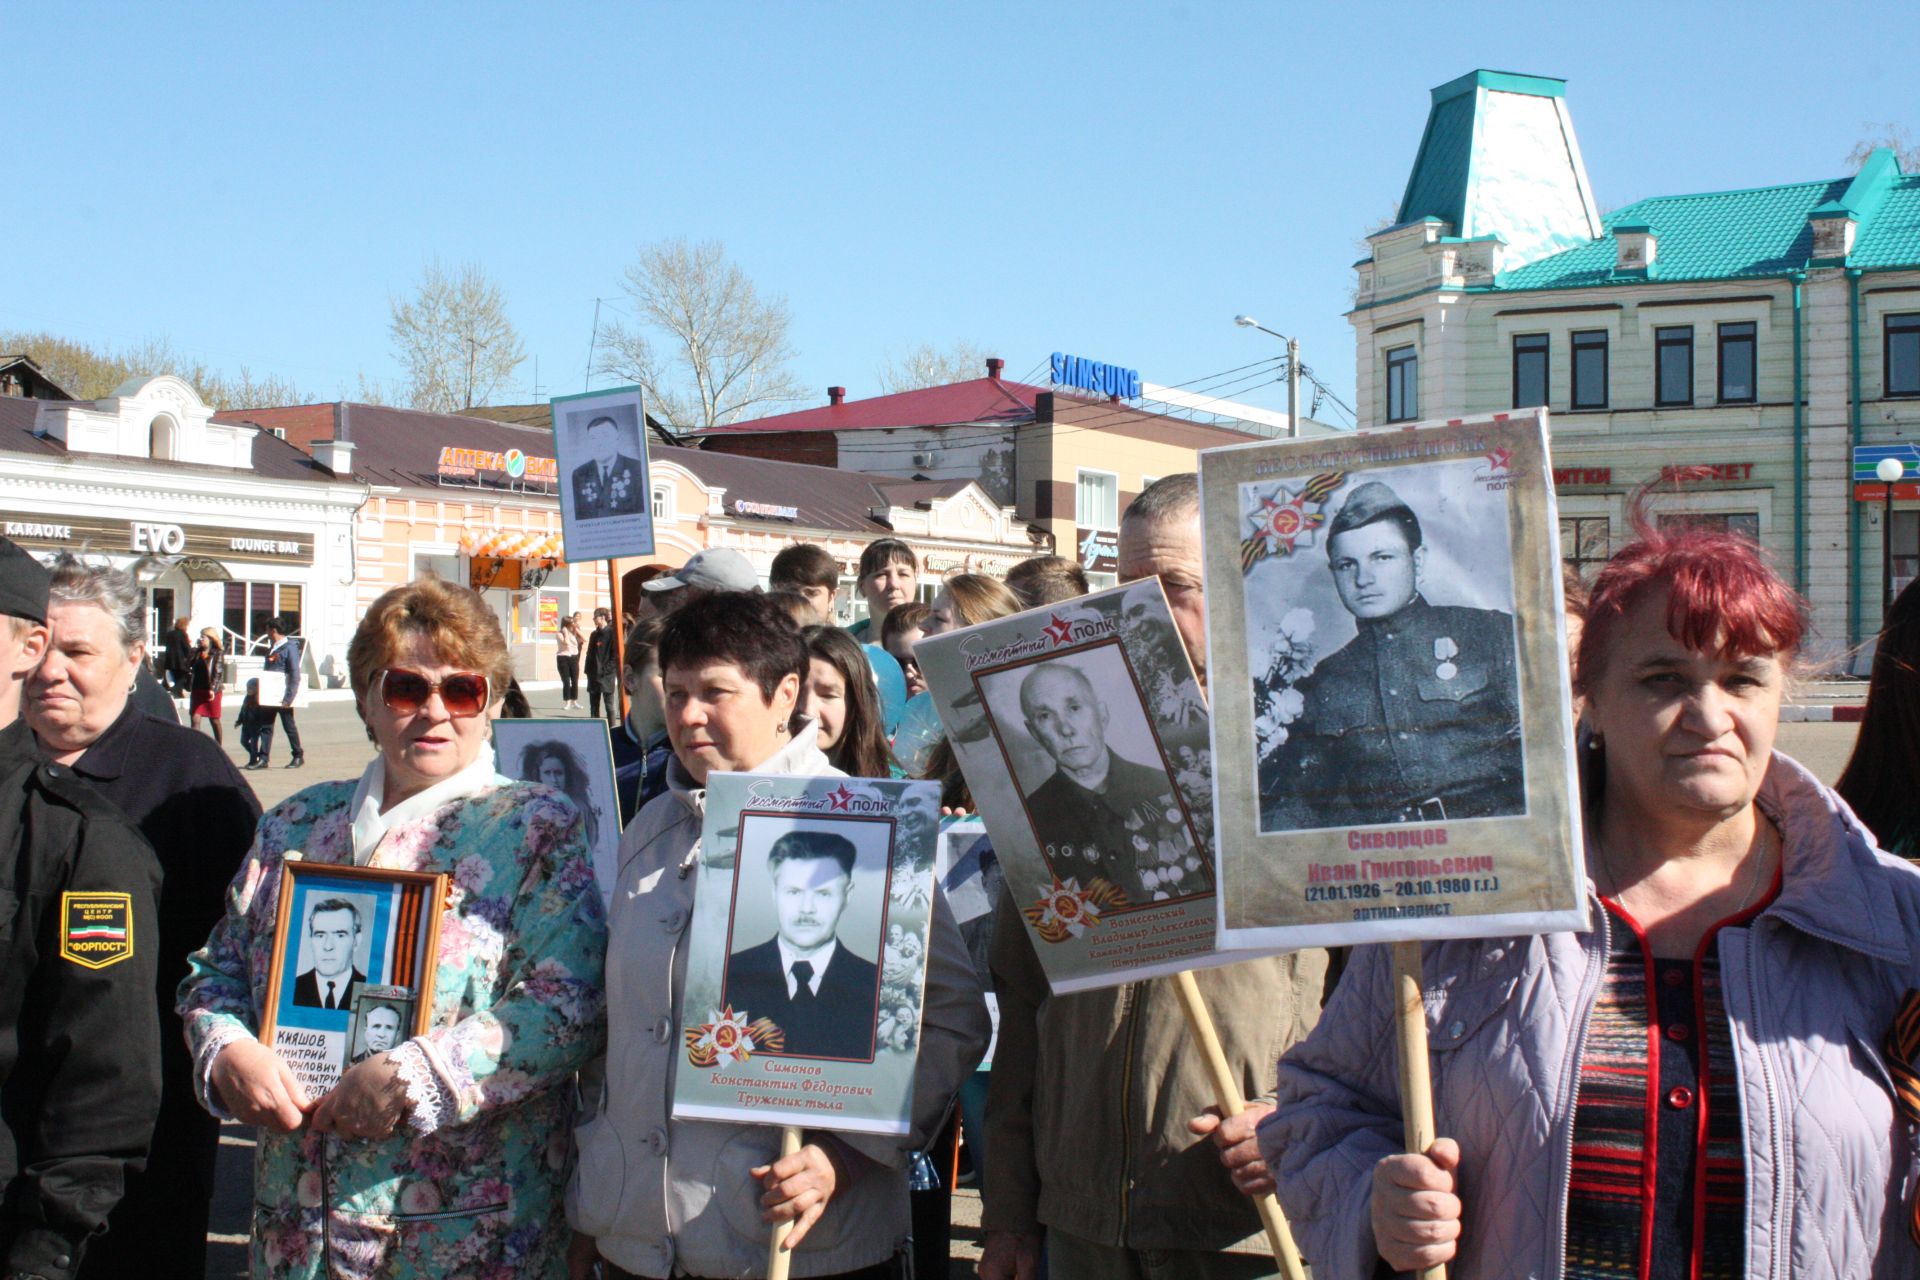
x: 892, y: 684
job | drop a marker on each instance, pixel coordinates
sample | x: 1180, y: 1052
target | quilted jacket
x: 1811, y: 986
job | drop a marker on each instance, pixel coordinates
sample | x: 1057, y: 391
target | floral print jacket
x: 471, y: 1184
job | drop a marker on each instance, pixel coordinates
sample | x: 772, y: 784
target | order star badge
x: 1285, y: 519
x: 728, y: 1038
x: 1059, y: 630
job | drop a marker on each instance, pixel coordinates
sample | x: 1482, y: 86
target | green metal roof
x: 1722, y: 235
x: 1438, y: 185
x: 1891, y: 237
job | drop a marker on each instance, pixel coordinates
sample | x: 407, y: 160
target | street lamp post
x: 1889, y: 470
x: 1293, y: 370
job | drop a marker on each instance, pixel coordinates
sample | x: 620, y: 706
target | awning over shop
x: 512, y: 544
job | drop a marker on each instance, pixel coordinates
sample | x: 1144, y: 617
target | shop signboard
x: 156, y: 537
x: 1099, y: 549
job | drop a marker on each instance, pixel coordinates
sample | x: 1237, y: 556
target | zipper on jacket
x: 1558, y: 1261
x: 1130, y: 1002
x: 1780, y: 1170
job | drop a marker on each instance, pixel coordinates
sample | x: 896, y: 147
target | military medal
x: 1444, y: 651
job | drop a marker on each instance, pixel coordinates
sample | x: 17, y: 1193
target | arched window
x: 163, y: 439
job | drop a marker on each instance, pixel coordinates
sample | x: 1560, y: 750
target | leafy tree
x: 454, y: 339
x: 929, y: 366
x: 722, y: 350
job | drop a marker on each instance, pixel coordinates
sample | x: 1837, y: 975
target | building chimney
x: 836, y: 395
x: 994, y: 365
x: 335, y: 455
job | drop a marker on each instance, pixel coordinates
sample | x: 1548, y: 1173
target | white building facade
x: 1730, y: 348
x: 219, y: 523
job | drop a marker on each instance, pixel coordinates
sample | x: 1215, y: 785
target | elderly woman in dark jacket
x: 197, y: 811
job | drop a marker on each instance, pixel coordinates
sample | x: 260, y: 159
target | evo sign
x: 1092, y: 375
x: 158, y: 538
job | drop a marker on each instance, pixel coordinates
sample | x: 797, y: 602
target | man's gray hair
x: 113, y: 591
x: 1174, y: 497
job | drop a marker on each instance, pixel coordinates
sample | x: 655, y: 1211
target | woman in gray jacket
x: 1695, y: 1087
x: 653, y: 1196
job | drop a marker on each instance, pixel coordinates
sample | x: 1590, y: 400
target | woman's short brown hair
x: 458, y: 624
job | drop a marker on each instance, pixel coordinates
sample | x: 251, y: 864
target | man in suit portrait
x: 333, y: 933
x: 805, y: 978
x: 1098, y: 812
x: 611, y: 484
x: 379, y: 1032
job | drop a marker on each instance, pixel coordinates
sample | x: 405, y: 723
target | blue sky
x: 254, y: 181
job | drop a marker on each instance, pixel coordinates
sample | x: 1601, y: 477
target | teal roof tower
x: 1499, y: 159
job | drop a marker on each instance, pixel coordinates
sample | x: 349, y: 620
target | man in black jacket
x: 79, y: 1030
x: 176, y: 659
x: 813, y: 987
x: 599, y: 665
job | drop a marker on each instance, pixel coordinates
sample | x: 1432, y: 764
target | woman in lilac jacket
x: 1701, y: 1085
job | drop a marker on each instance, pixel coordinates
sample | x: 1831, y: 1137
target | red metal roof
x: 977, y: 400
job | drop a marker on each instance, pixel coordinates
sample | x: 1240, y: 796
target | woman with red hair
x: 1704, y: 1083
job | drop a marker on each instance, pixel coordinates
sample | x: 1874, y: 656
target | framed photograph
x: 575, y: 757
x: 808, y: 965
x: 1392, y: 727
x: 348, y: 941
x: 1084, y: 738
x: 600, y: 452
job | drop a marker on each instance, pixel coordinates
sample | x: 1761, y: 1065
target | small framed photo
x: 352, y: 967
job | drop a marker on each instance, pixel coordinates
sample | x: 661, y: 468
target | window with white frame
x: 1096, y: 502
x: 661, y: 502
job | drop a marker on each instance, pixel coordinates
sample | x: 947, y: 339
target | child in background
x: 249, y: 720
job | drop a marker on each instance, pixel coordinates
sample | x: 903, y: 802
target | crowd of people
x: 1721, y: 1077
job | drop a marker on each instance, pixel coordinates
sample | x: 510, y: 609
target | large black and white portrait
x: 574, y: 757
x: 1091, y: 775
x: 808, y: 922
x: 1381, y: 647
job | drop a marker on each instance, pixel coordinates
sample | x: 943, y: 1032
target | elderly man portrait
x: 333, y: 933
x: 609, y: 483
x: 379, y: 1032
x: 1089, y: 811
x: 806, y: 978
x: 1417, y: 718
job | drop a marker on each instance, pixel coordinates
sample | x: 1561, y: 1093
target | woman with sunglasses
x: 1704, y: 1082
x: 656, y: 1196
x: 444, y: 1155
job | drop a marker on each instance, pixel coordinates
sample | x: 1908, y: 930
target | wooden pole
x: 778, y: 1258
x: 1416, y: 1080
x: 1231, y: 1103
x: 619, y: 641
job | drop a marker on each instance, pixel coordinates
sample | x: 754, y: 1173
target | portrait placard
x: 600, y: 457
x: 808, y: 965
x: 1083, y: 736
x: 348, y: 940
x: 1392, y: 727
x: 574, y: 757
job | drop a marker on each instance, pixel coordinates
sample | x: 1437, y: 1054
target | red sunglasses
x: 403, y: 692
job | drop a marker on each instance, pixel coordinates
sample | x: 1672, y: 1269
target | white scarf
x: 370, y: 825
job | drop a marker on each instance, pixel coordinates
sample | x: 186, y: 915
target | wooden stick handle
x: 1231, y: 1102
x: 778, y: 1258
x: 1416, y: 1081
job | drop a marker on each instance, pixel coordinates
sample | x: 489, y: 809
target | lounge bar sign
x: 157, y: 538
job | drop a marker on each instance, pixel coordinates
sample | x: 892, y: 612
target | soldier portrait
x: 1091, y: 776
x: 612, y: 479
x: 1416, y: 717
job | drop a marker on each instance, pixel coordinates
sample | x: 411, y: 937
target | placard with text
x: 606, y: 495
x: 1392, y: 728
x: 1083, y: 736
x: 808, y: 966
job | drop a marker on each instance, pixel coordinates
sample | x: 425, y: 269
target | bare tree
x: 1886, y: 135
x: 90, y: 373
x: 722, y: 350
x: 454, y: 339
x: 929, y: 366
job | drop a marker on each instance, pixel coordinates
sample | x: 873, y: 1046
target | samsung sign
x: 1091, y: 375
